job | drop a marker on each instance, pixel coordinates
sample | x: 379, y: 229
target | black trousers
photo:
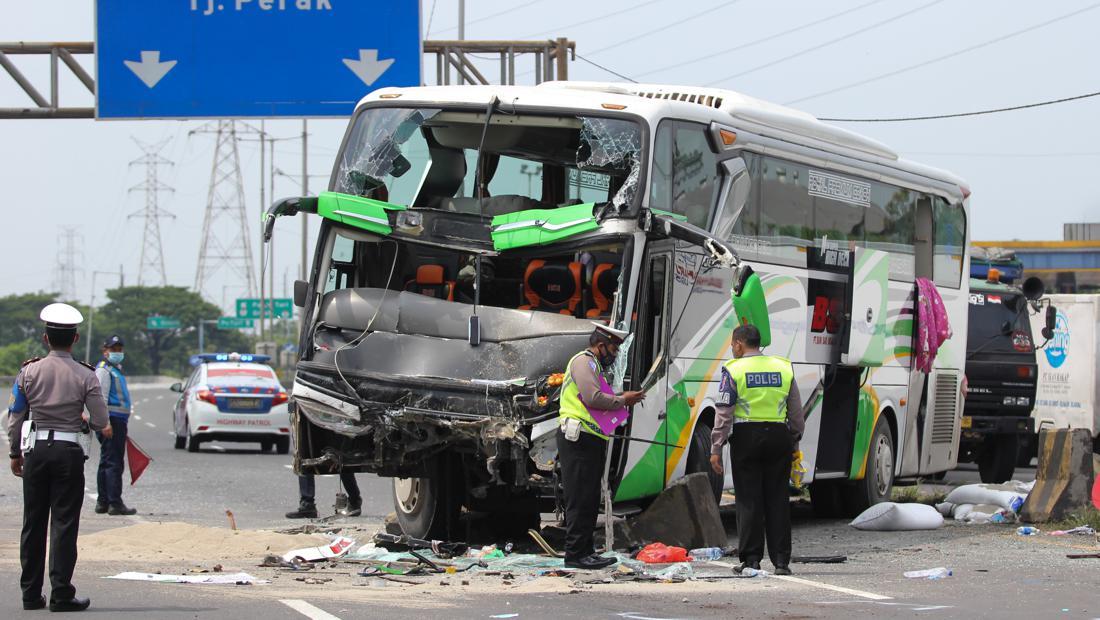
x: 582, y: 464
x: 53, y: 492
x: 307, y: 486
x: 760, y: 453
x: 112, y: 462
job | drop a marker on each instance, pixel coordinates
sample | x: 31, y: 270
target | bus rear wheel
x: 878, y: 479
x: 698, y: 460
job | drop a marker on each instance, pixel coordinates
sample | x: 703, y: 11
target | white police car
x: 232, y: 397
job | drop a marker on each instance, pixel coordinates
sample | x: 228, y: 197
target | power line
x: 961, y: 114
x: 431, y: 14
x: 762, y: 39
x: 591, y: 20
x: 643, y: 35
x: 494, y: 15
x: 611, y: 71
x: 814, y: 48
x: 944, y: 57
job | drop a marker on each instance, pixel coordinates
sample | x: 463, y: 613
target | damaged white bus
x: 470, y: 235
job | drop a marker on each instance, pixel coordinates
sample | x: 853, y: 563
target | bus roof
x: 657, y: 101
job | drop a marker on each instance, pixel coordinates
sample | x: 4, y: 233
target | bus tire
x: 825, y: 499
x: 878, y: 480
x: 997, y: 461
x: 427, y: 507
x: 698, y: 460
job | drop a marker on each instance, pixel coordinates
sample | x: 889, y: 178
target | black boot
x: 306, y: 510
x: 120, y: 509
x: 354, y: 507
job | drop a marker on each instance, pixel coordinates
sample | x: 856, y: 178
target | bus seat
x: 605, y: 279
x: 429, y: 282
x: 552, y: 287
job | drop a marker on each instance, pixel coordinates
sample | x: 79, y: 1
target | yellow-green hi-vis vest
x: 571, y: 405
x: 763, y: 383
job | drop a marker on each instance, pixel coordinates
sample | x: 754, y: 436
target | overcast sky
x: 1029, y: 170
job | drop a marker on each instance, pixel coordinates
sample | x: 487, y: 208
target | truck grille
x: 945, y: 400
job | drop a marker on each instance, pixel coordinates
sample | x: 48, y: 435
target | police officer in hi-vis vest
x: 758, y: 400
x: 50, y: 394
x: 582, y: 445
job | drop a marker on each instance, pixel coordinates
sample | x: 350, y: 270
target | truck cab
x: 1001, y: 370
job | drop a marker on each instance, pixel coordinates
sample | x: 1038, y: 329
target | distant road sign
x: 279, y: 308
x: 161, y: 322
x: 232, y: 322
x: 259, y: 58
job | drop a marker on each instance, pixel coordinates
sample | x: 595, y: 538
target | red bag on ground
x: 659, y: 553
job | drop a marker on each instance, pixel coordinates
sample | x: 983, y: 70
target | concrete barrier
x: 683, y: 515
x: 1063, y: 478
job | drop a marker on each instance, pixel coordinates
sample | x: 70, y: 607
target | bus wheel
x: 699, y: 459
x: 427, y: 507
x: 997, y: 462
x: 878, y: 479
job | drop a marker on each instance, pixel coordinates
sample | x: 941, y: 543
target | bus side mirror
x: 177, y: 387
x: 301, y: 288
x: 1051, y: 322
x: 1033, y: 288
x: 287, y: 207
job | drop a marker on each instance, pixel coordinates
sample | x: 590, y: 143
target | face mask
x: 115, y: 357
x: 607, y: 359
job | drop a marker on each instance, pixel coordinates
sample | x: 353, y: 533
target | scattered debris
x: 219, y: 579
x: 1082, y: 529
x: 819, y: 559
x: 232, y: 520
x: 1081, y: 556
x: 313, y: 581
x: 1027, y: 530
x: 659, y: 553
x: 339, y: 546
x: 541, y: 542
x: 930, y: 573
x: 438, y: 547
x: 680, y: 571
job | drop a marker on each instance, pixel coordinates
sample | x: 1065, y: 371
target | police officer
x: 582, y: 445
x: 112, y: 450
x: 52, y: 392
x: 759, y: 401
x: 307, y: 488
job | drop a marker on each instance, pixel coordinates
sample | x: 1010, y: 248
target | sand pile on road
x: 174, y: 541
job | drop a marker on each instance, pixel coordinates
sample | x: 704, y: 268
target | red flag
x: 138, y: 459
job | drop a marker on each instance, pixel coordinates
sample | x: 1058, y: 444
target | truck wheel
x: 699, y: 458
x: 997, y: 462
x: 1027, y: 450
x: 427, y: 507
x: 878, y: 479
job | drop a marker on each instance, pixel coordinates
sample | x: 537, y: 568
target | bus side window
x: 889, y: 225
x: 685, y: 177
x: 950, y: 236
x: 342, y: 265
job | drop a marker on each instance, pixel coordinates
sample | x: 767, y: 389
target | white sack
x: 1006, y: 495
x: 891, y: 517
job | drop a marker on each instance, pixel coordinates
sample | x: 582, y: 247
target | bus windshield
x: 426, y: 158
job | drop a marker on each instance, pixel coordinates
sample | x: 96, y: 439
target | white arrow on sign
x: 150, y: 70
x: 368, y: 68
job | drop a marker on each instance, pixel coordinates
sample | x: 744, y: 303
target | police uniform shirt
x: 58, y: 388
x: 727, y: 398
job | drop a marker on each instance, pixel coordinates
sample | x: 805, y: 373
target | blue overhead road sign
x: 250, y: 58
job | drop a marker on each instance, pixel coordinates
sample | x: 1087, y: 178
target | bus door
x: 846, y: 413
x: 646, y: 462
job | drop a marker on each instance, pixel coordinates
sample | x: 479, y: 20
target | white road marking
x: 161, y: 397
x: 910, y: 606
x: 817, y: 584
x: 137, y: 417
x: 288, y: 466
x: 218, y: 448
x: 150, y: 425
x: 307, y: 610
x: 92, y: 497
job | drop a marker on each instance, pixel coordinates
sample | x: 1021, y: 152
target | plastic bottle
x: 1026, y: 530
x: 929, y: 573
x: 751, y: 572
x: 705, y: 553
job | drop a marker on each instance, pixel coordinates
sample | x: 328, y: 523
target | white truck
x: 1068, y: 393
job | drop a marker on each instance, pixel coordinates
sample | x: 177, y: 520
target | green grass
x: 1089, y: 516
x: 912, y: 495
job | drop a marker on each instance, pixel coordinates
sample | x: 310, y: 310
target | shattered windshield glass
x: 427, y: 158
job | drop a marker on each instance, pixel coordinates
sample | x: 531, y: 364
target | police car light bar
x: 203, y: 358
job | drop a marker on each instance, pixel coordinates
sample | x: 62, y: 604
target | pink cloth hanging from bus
x: 933, y: 327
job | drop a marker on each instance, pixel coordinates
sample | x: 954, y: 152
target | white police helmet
x: 615, y: 335
x: 61, y: 316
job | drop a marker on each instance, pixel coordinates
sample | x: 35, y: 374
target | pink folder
x: 608, y: 421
